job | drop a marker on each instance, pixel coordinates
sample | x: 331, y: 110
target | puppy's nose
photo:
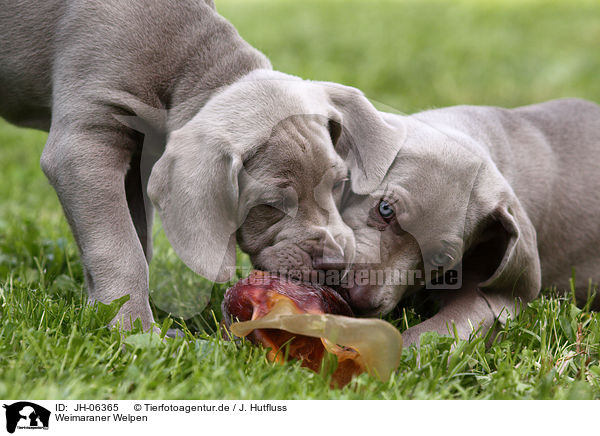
x: 332, y: 254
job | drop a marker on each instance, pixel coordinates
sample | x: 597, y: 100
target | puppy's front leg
x: 467, y: 309
x: 87, y: 168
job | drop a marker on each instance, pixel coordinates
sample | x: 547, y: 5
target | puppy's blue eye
x: 441, y: 259
x: 385, y: 210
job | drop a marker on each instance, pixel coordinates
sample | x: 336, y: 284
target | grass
x: 408, y: 55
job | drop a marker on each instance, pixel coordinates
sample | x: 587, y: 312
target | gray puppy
x: 72, y: 67
x: 115, y: 81
x: 486, y: 205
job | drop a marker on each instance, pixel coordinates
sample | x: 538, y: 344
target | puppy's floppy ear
x: 509, y: 257
x: 363, y: 136
x: 194, y: 186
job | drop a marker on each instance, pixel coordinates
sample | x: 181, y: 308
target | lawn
x: 405, y: 55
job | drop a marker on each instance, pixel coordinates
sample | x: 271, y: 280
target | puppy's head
x: 265, y: 161
x: 443, y: 218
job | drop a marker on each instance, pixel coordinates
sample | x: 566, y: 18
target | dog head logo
x: 26, y: 415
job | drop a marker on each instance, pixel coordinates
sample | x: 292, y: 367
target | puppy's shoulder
x: 570, y: 123
x: 485, y: 125
x: 464, y: 116
x: 561, y: 110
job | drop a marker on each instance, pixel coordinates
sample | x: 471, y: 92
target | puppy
x: 482, y: 207
x: 116, y: 82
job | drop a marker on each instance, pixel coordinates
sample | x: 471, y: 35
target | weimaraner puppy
x: 116, y: 82
x: 74, y: 68
x: 487, y: 206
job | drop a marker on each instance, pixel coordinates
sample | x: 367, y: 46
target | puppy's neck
x: 217, y: 57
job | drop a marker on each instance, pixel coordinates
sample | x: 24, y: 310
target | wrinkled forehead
x: 278, y: 125
x: 298, y: 153
x: 249, y: 110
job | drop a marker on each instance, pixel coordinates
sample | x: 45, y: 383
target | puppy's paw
x: 132, y: 311
x: 412, y: 335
